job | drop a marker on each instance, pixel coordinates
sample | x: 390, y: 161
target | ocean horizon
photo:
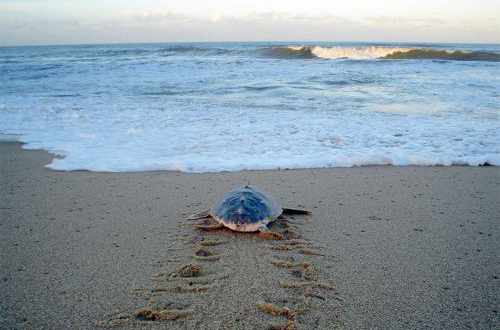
x: 229, y: 106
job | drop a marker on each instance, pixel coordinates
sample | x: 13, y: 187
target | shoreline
x: 404, y: 246
x: 348, y: 162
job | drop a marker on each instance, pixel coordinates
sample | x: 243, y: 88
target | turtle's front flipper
x: 287, y: 210
x: 201, y: 215
x: 266, y: 233
x: 207, y: 226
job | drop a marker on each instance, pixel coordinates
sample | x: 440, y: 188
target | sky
x: 38, y: 22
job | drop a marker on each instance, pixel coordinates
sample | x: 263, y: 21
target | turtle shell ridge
x: 246, y: 205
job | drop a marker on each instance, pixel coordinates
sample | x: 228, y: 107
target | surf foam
x: 191, y: 141
x: 358, y: 53
x: 380, y: 52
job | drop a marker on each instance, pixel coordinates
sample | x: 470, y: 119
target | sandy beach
x: 385, y: 247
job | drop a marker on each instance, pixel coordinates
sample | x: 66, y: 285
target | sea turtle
x: 246, y: 209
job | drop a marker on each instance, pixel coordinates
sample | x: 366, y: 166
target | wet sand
x: 385, y: 248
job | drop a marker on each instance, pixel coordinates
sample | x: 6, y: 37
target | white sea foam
x: 386, y: 52
x: 221, y: 141
x: 362, y: 52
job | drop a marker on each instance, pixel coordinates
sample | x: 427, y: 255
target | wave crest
x: 456, y: 55
x: 377, y: 52
x: 290, y: 52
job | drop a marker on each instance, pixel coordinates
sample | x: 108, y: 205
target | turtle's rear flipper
x: 287, y: 210
x: 207, y: 226
x: 201, y: 215
x: 266, y: 233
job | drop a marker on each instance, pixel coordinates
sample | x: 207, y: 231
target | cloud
x: 38, y: 24
x: 274, y: 16
x: 153, y: 17
x: 404, y: 20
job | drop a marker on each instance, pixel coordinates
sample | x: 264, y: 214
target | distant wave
x: 126, y: 51
x: 119, y: 52
x: 290, y: 52
x: 456, y: 55
x: 194, y: 49
x: 377, y: 52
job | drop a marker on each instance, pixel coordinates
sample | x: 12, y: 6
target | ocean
x: 209, y: 107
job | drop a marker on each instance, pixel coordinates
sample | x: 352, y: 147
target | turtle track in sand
x: 227, y: 280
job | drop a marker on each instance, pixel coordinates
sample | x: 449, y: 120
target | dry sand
x: 385, y: 248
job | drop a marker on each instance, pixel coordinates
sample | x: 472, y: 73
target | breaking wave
x: 290, y: 52
x: 377, y: 52
x: 456, y: 55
